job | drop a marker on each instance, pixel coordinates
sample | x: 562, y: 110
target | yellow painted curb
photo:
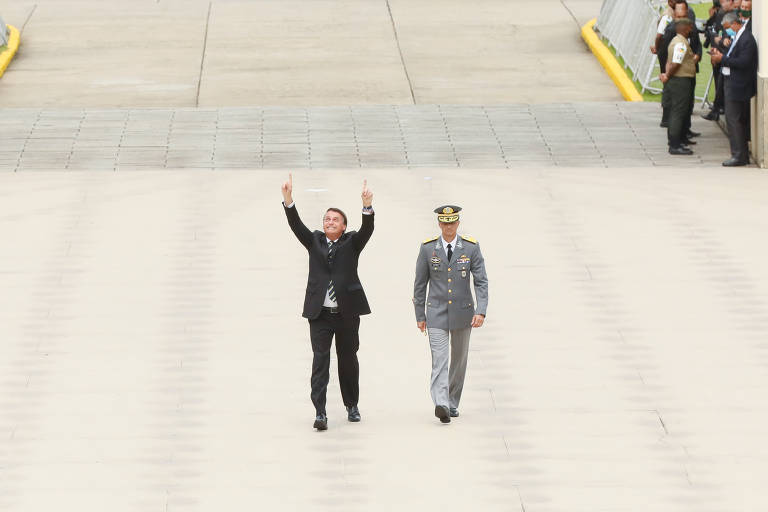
x: 609, y: 62
x: 10, y: 50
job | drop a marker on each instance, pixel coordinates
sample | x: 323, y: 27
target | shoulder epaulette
x: 468, y: 239
x: 430, y: 239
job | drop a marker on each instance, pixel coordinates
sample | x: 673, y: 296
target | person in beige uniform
x: 679, y: 79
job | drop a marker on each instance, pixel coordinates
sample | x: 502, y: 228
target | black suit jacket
x: 741, y: 84
x: 349, y: 291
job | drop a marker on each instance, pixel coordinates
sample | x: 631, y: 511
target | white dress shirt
x: 328, y: 302
x: 452, y: 242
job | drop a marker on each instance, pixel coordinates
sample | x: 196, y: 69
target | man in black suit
x: 334, y: 299
x: 739, y: 69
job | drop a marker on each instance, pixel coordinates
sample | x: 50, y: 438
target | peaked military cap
x: 448, y: 213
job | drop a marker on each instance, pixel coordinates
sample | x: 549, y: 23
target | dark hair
x: 343, y: 215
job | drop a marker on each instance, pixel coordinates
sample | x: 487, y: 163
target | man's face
x: 746, y: 5
x: 726, y: 5
x: 681, y: 10
x: 333, y: 224
x: 735, y: 4
x: 449, y: 229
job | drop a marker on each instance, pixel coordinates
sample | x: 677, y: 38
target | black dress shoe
x: 442, y: 412
x: 734, y: 162
x: 353, y: 414
x: 454, y: 412
x: 691, y: 134
x: 713, y: 115
x: 321, y: 422
x: 680, y: 150
x: 664, y: 124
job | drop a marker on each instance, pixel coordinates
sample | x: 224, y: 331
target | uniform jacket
x: 741, y: 84
x: 669, y: 33
x: 349, y: 291
x: 449, y: 304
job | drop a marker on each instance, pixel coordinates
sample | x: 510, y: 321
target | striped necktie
x: 331, y: 290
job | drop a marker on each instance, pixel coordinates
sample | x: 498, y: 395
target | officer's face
x: 333, y: 225
x: 449, y: 229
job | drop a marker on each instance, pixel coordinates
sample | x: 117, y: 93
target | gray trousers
x: 447, y: 383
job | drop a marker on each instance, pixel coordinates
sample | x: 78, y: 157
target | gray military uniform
x: 448, y: 309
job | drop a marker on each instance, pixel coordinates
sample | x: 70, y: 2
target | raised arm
x: 420, y: 291
x: 299, y: 229
x: 366, y: 229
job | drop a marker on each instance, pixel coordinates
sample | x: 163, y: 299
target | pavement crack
x: 400, y: 52
x: 493, y: 399
x: 570, y: 12
x: 29, y: 17
x: 661, y: 420
x: 202, y: 58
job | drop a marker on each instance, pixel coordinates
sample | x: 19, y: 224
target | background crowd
x: 733, y: 52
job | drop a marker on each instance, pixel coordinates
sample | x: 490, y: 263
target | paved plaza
x: 200, y: 53
x: 403, y: 136
x: 153, y: 357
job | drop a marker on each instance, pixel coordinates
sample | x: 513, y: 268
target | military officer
x: 448, y: 313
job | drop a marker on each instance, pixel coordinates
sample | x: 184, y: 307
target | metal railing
x: 3, y: 32
x: 629, y: 27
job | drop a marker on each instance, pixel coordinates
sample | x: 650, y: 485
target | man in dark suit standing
x: 739, y: 69
x: 334, y: 299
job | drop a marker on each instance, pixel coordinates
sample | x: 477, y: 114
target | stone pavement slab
x: 154, y: 357
x: 181, y: 53
x: 502, y: 136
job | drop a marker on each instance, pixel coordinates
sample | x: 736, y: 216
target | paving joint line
x: 202, y: 58
x: 571, y: 13
x: 448, y: 134
x: 29, y: 17
x: 74, y: 140
x: 400, y: 52
x: 496, y: 136
x: 26, y: 141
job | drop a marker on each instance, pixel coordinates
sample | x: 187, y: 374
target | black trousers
x: 737, y: 120
x: 665, y: 112
x: 321, y: 332
x: 719, y: 103
x: 678, y: 96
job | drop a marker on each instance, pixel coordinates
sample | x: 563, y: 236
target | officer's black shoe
x: 712, y: 115
x: 442, y: 412
x: 691, y: 134
x: 734, y: 162
x: 353, y: 414
x: 680, y: 150
x: 664, y: 124
x: 689, y: 142
x: 321, y: 422
x: 454, y: 412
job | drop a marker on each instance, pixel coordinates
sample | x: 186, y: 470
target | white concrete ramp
x: 198, y: 53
